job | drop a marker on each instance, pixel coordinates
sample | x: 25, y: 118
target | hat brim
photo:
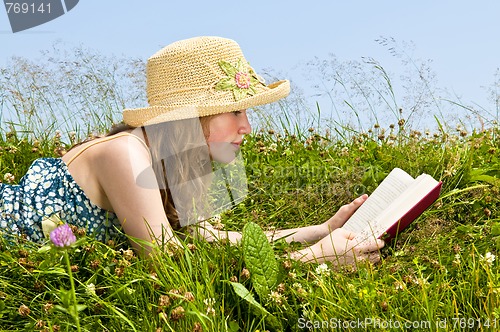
x: 138, y: 117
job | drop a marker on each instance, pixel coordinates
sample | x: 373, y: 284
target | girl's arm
x: 335, y: 245
x: 137, y: 204
x: 300, y: 234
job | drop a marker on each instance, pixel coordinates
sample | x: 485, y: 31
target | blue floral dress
x: 49, y: 192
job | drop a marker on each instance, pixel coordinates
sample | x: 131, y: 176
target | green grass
x: 434, y: 276
x: 437, y: 276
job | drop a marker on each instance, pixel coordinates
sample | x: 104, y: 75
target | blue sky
x: 460, y: 37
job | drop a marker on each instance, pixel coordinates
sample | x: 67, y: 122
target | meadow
x: 441, y: 274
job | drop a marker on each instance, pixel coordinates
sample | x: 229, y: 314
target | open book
x: 393, y: 205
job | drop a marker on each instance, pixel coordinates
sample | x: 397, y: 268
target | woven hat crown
x: 198, y: 77
x: 186, y: 69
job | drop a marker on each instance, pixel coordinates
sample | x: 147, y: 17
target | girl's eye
x: 237, y: 112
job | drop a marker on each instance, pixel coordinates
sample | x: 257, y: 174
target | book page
x: 409, y: 199
x: 391, y: 188
x: 422, y: 185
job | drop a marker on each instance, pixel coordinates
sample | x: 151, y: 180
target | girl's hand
x: 341, y: 248
x: 344, y: 213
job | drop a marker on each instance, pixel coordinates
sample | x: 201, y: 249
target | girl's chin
x: 224, y: 153
x: 225, y: 158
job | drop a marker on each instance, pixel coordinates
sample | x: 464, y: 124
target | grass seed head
x: 177, y: 313
x: 24, y: 310
x: 188, y: 296
x: 197, y: 327
x: 164, y: 301
x: 47, y: 307
x: 245, y: 274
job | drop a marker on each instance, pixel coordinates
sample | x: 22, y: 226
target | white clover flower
x: 422, y: 281
x: 399, y: 285
x: 277, y: 297
x: 487, y: 259
x: 322, y: 270
x: 210, y: 311
x: 210, y: 302
x: 9, y: 178
x: 457, y: 260
x: 90, y: 290
x: 216, y: 222
x: 306, y: 312
x: 127, y: 254
x: 217, y: 218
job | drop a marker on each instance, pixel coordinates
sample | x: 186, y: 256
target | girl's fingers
x: 348, y: 209
x: 372, y: 246
x: 374, y: 257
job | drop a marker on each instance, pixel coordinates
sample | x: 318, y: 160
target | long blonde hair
x: 189, y: 166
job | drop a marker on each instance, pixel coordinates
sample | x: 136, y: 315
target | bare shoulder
x: 120, y: 163
x: 124, y: 149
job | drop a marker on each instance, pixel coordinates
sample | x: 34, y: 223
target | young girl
x: 151, y: 175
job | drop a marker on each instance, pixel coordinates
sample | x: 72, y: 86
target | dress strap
x: 145, y: 136
x: 105, y: 139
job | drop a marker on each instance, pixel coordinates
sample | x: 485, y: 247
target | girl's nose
x: 245, y: 127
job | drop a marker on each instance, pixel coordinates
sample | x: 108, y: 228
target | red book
x: 394, y: 204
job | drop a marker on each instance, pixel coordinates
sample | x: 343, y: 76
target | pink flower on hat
x: 240, y: 79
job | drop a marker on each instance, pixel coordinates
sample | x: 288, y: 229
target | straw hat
x: 198, y: 77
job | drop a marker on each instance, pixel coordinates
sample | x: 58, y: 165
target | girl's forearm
x: 301, y: 234
x: 304, y: 234
x: 206, y: 231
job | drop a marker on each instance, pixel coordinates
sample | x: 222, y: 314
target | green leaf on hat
x: 230, y: 81
x: 228, y: 68
x: 239, y: 94
x: 225, y: 84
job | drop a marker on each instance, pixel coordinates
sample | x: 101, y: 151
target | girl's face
x: 226, y: 135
